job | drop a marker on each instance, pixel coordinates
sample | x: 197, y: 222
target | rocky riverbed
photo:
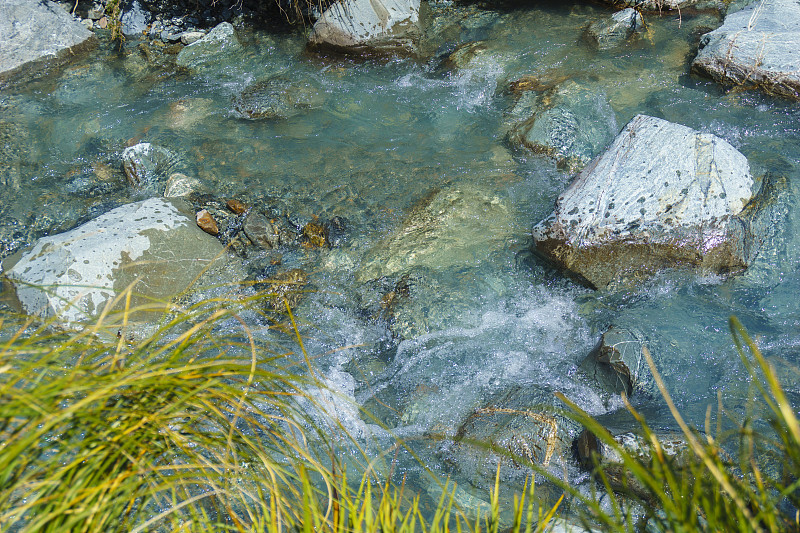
x: 470, y: 207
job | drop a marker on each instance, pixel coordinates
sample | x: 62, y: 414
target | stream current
x: 386, y: 135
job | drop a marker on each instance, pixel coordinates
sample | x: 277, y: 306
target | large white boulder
x: 74, y: 275
x: 370, y: 23
x: 757, y: 46
x: 662, y: 195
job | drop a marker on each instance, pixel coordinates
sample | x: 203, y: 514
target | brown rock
x: 236, y: 206
x: 207, y: 222
x: 315, y: 235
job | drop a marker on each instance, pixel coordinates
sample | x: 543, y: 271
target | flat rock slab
x: 367, y: 23
x: 662, y: 195
x: 757, y: 46
x: 73, y: 275
x: 35, y: 34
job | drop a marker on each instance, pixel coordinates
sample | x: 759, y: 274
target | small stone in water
x: 207, y: 222
x: 315, y: 235
x: 236, y: 206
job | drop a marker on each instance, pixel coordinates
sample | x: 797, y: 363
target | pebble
x: 207, y: 222
x: 189, y: 37
x: 236, y: 206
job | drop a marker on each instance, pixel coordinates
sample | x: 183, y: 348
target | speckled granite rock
x: 662, y: 195
x: 757, y: 46
x: 73, y: 275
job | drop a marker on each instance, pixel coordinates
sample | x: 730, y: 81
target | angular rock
x: 268, y: 233
x: 570, y: 123
x: 35, y: 35
x: 454, y: 226
x: 617, y: 363
x: 206, y: 52
x: 134, y: 18
x: 757, y: 46
x: 147, y: 166
x: 614, y: 30
x: 74, y: 275
x: 206, y: 222
x: 662, y: 195
x: 277, y: 97
x: 378, y: 24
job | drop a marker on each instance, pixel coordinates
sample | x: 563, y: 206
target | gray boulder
x: 662, y: 195
x: 570, y: 123
x: 74, y: 275
x: 757, y: 46
x: 35, y: 35
x: 368, y: 23
x: 614, y: 30
x: 216, y: 45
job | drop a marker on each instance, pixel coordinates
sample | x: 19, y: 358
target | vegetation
x: 202, y: 427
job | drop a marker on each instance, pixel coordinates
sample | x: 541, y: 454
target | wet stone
x: 237, y: 207
x: 756, y: 46
x: 376, y: 24
x: 179, y: 184
x: 207, y: 223
x: 612, y: 31
x: 286, y: 288
x: 662, y: 195
x: 147, y: 166
x: 617, y: 364
x: 315, y: 235
x: 525, y: 427
x: 592, y: 453
x: 569, y: 123
x: 277, y: 97
x: 268, y: 232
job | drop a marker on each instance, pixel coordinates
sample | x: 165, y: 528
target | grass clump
x: 746, y: 478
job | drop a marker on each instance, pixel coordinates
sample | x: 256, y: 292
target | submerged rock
x: 663, y: 195
x: 448, y: 227
x: 35, y: 35
x: 147, y: 166
x: 74, y: 275
x: 209, y: 50
x: 591, y: 450
x: 570, y: 123
x: 757, y: 46
x: 519, y: 428
x: 617, y: 362
x: 277, y: 97
x: 376, y: 24
x: 614, y: 30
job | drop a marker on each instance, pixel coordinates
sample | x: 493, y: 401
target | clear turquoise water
x: 387, y: 133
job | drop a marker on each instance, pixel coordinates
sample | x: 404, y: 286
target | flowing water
x: 477, y: 313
